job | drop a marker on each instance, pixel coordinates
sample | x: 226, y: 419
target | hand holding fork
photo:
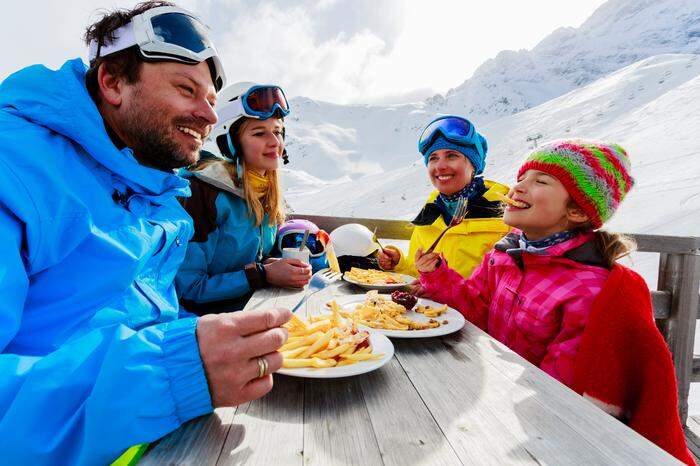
x: 428, y: 261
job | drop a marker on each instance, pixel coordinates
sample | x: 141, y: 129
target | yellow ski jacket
x: 464, y: 245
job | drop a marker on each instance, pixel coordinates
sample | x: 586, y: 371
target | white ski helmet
x: 353, y: 239
x: 245, y: 99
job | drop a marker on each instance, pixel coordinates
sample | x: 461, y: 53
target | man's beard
x: 154, y: 143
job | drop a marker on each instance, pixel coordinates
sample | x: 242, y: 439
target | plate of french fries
x: 370, y: 279
x: 380, y: 314
x: 328, y: 345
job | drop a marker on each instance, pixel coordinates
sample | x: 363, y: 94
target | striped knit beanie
x: 595, y: 174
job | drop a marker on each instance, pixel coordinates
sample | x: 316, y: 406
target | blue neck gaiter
x: 448, y: 202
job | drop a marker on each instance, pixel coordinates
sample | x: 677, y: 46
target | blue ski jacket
x: 95, y: 354
x: 226, y: 239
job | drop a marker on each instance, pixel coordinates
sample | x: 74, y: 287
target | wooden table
x: 459, y: 399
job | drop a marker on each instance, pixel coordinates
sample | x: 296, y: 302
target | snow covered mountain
x: 650, y: 108
x: 334, y: 142
x: 618, y: 33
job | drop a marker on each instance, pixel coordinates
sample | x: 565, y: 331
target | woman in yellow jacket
x: 455, y: 155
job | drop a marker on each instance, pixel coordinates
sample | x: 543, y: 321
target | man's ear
x: 575, y: 214
x: 111, y: 86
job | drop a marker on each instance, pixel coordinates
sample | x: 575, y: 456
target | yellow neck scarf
x: 259, y: 184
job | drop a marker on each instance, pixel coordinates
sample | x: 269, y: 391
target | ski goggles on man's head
x: 260, y: 102
x: 293, y: 239
x: 453, y: 128
x: 165, y: 33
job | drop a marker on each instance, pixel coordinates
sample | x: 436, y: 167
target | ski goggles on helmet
x: 260, y: 102
x: 165, y: 33
x: 293, y: 239
x: 453, y: 128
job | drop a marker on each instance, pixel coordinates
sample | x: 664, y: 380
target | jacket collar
x: 217, y: 176
x: 581, y: 249
x: 486, y: 206
x: 59, y: 100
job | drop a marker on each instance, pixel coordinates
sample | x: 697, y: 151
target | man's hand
x: 230, y: 345
x: 388, y: 258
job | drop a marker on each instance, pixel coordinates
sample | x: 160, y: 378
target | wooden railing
x: 675, y: 300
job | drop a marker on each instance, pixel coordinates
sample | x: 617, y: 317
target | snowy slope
x: 331, y: 141
x: 650, y: 108
x: 618, y: 33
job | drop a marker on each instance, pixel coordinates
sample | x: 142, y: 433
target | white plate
x: 380, y: 345
x: 407, y: 279
x: 455, y: 320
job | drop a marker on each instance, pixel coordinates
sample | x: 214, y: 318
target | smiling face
x: 262, y: 143
x: 166, y: 114
x: 449, y: 171
x: 542, y: 206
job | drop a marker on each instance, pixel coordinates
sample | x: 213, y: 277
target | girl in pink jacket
x: 552, y: 291
x: 534, y: 290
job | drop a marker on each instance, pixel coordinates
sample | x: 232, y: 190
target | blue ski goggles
x: 294, y: 239
x: 453, y: 128
x: 165, y: 33
x: 260, y: 102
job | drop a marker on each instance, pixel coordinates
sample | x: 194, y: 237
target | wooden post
x: 679, y: 274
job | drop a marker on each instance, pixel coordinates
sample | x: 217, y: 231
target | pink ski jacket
x: 536, y: 304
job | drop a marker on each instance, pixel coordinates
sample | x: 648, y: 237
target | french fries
x: 328, y: 340
x: 372, y: 277
x: 381, y: 312
x: 511, y: 201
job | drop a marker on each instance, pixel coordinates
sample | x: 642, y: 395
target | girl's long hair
x: 613, y: 246
x: 270, y: 203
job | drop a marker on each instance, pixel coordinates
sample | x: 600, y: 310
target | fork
x: 319, y: 281
x: 376, y: 240
x: 460, y: 212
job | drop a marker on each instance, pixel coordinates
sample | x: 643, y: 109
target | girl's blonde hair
x: 270, y: 203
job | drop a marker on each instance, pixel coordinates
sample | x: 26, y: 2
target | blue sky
x: 343, y: 51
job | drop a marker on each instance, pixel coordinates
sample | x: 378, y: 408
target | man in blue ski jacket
x: 95, y: 354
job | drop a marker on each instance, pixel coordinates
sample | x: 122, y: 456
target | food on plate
x: 380, y: 312
x: 372, y: 277
x: 430, y: 311
x: 326, y: 340
x: 404, y: 298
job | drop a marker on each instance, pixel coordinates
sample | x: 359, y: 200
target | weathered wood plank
x: 392, y: 229
x: 692, y: 436
x: 481, y: 393
x: 406, y: 431
x: 402, y: 229
x: 269, y: 430
x: 696, y: 372
x: 680, y: 275
x: 337, y: 425
x: 197, y: 442
x: 661, y: 301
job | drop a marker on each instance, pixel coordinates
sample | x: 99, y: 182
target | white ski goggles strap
x: 124, y: 38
